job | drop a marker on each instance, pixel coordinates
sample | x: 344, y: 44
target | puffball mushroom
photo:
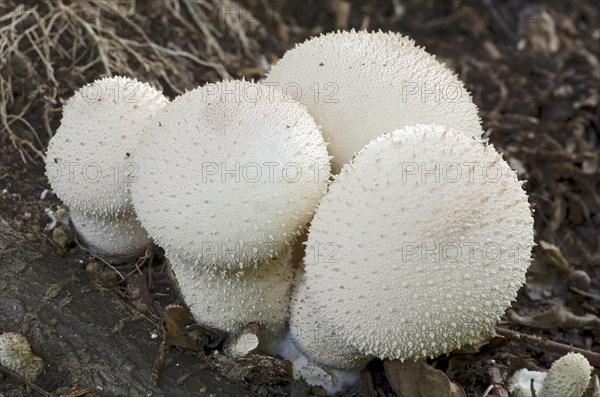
x: 229, y: 175
x: 569, y: 376
x: 229, y: 300
x: 89, y: 165
x: 358, y: 85
x: 437, y: 254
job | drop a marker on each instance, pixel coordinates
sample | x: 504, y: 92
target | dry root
x: 51, y: 48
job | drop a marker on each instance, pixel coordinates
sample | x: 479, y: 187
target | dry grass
x: 50, y: 48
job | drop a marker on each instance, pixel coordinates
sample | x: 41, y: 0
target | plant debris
x: 532, y: 68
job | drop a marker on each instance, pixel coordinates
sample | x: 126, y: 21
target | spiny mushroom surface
x: 317, y: 337
x: 230, y: 174
x: 358, y: 85
x: 437, y: 254
x: 89, y: 162
x: 89, y: 158
x: 229, y: 300
x: 569, y: 376
x: 115, y: 237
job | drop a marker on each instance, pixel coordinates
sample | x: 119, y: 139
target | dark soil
x: 534, y: 71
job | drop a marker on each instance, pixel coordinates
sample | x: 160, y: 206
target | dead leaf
x: 555, y: 257
x: 417, y: 379
x: 557, y: 316
x: 540, y: 32
x: 138, y: 293
x: 52, y: 291
x: 435, y: 383
x: 177, y: 318
x: 366, y: 383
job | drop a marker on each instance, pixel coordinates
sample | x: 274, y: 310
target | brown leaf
x: 177, y: 318
x: 402, y: 377
x: 366, y: 383
x: 417, y: 379
x: 555, y: 257
x: 557, y: 316
x: 435, y: 383
x: 138, y: 293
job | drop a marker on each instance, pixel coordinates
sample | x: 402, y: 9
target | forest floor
x: 533, y: 69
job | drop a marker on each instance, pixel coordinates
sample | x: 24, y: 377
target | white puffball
x: 88, y: 162
x: 89, y: 166
x: 359, y: 85
x: 421, y: 243
x: 229, y: 175
x: 569, y: 376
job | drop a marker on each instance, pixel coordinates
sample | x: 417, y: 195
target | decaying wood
x: 78, y: 330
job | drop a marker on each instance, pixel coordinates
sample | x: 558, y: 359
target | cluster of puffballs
x: 414, y: 248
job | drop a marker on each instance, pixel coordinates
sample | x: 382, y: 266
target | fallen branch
x: 541, y: 344
x: 26, y: 382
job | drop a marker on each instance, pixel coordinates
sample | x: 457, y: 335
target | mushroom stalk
x: 230, y: 300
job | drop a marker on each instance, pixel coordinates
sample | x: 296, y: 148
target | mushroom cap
x: 229, y: 300
x: 116, y: 237
x: 435, y: 257
x: 569, y: 376
x: 88, y: 160
x: 358, y: 85
x: 229, y: 174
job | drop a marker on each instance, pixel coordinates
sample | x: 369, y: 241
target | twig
x: 156, y: 367
x: 26, y: 382
x: 487, y: 391
x: 585, y: 293
x: 556, y: 347
x: 499, y: 20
